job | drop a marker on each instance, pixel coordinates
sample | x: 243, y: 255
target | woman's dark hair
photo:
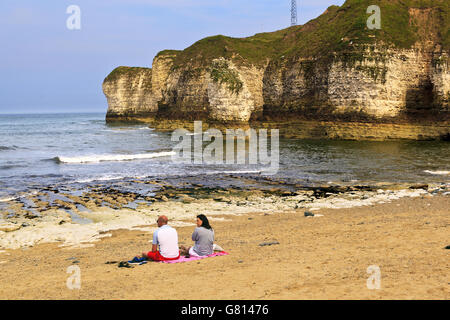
x: 205, y: 222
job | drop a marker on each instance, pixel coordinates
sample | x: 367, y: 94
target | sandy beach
x: 321, y: 257
x: 316, y: 146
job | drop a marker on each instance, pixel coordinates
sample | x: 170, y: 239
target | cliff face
x: 129, y: 93
x: 325, y: 70
x: 389, y: 84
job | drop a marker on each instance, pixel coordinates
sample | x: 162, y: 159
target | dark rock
x: 162, y: 198
x: 447, y: 247
x: 30, y: 215
x: 268, y: 243
x: 309, y: 214
x: 222, y: 199
x: 419, y: 186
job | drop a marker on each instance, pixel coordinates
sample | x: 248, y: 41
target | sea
x: 80, y: 149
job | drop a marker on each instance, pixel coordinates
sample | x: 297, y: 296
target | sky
x: 47, y: 67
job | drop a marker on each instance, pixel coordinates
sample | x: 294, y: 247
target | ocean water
x: 43, y: 150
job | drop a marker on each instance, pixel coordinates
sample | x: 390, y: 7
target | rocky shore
x: 272, y: 255
x: 79, y: 217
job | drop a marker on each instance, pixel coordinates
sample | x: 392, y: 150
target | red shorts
x: 156, y: 256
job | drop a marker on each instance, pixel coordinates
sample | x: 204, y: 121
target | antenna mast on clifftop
x: 293, y: 12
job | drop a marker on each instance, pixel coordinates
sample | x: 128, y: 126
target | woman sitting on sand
x: 204, y: 239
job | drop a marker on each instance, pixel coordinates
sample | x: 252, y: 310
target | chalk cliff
x: 129, y: 93
x: 332, y: 69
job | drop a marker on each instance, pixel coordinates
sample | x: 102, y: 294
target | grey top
x: 204, y: 241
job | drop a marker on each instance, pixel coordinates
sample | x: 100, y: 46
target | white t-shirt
x: 167, y: 239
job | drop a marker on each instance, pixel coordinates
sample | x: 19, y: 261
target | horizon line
x: 50, y: 112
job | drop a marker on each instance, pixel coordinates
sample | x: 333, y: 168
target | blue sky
x: 45, y: 67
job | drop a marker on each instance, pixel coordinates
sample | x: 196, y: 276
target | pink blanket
x: 184, y: 259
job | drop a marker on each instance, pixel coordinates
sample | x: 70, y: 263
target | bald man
x: 166, y: 238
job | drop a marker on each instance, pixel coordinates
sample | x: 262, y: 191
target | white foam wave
x: 114, y: 131
x: 104, y: 178
x: 8, y: 199
x: 22, y: 195
x: 234, y: 172
x: 441, y: 172
x: 113, y: 157
x: 123, y: 130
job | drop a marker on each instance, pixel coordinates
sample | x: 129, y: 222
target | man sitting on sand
x: 167, y: 239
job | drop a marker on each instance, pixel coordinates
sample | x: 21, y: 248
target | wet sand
x: 322, y: 257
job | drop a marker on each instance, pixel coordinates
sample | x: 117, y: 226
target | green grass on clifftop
x: 125, y: 71
x: 333, y: 31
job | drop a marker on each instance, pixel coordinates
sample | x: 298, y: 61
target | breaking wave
x: 441, y: 172
x: 112, y: 157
